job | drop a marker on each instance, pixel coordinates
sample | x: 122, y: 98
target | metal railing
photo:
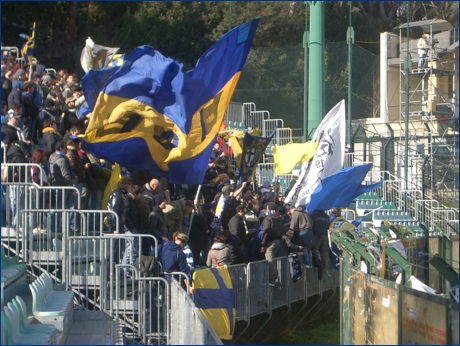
x: 255, y: 119
x: 268, y: 125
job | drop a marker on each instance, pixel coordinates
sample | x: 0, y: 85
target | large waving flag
x: 328, y: 159
x: 152, y: 116
x: 27, y: 49
x: 215, y: 298
x: 95, y: 57
x: 253, y: 149
x: 93, y: 82
x: 339, y: 190
x: 287, y: 156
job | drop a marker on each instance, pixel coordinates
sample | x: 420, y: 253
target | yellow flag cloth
x: 111, y: 185
x: 287, y: 156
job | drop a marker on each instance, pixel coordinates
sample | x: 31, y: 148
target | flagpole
x: 32, y: 39
x: 198, y: 191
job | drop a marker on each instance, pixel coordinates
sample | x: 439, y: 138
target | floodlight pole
x: 316, y: 84
x: 407, y: 67
x: 305, y: 77
x: 350, y: 41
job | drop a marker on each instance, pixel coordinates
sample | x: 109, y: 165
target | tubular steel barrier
x: 265, y: 172
x: 283, y: 136
x: 238, y: 275
x: 258, y: 288
x: 48, y: 248
x: 255, y: 119
x: 268, y: 125
x: 142, y: 306
x: 280, y: 296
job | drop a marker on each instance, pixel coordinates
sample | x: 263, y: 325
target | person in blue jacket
x: 173, y: 258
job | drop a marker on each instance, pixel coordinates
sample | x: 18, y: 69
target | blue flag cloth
x: 152, y: 116
x: 84, y: 110
x: 339, y: 190
x: 253, y: 149
x: 93, y: 82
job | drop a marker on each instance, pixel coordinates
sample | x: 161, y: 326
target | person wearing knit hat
x: 160, y: 200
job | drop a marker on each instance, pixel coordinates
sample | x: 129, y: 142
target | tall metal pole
x: 407, y: 68
x: 350, y: 41
x: 305, y: 77
x: 316, y: 47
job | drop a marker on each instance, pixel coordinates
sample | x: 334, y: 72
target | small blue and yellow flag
x: 112, y: 184
x: 27, y: 49
x: 215, y: 298
x: 253, y: 149
x: 152, y: 116
x: 117, y: 60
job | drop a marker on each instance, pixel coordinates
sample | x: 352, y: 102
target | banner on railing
x: 215, y: 298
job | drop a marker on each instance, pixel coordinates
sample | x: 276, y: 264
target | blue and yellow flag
x: 93, y: 82
x: 152, y: 116
x: 117, y: 60
x: 253, y: 149
x: 27, y: 49
x: 215, y: 298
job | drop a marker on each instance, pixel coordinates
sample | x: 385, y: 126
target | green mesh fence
x: 273, y: 78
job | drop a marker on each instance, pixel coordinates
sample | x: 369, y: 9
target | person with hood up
x: 219, y: 255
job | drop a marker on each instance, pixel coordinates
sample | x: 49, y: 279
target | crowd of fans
x: 216, y: 223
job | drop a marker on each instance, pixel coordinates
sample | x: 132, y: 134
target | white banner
x: 328, y: 159
x: 95, y: 57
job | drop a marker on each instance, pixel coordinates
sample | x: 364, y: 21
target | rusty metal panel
x: 455, y: 253
x: 415, y: 250
x: 357, y: 308
x: 423, y: 321
x: 435, y: 279
x: 382, y: 314
x: 454, y: 326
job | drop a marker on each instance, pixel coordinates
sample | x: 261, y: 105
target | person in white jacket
x: 422, y: 51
